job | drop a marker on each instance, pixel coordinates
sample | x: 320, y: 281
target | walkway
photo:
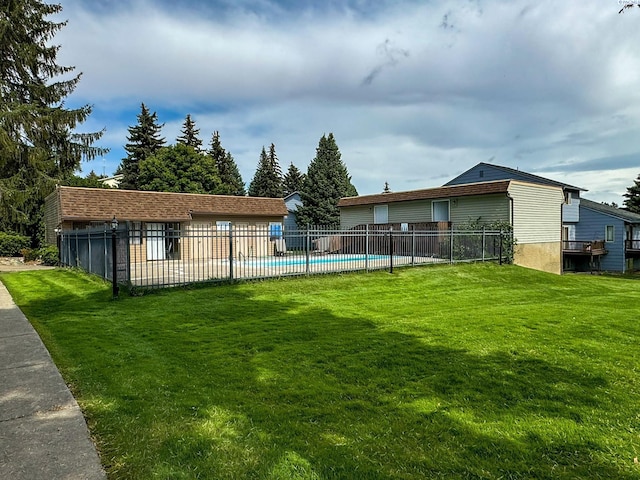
x: 43, y: 434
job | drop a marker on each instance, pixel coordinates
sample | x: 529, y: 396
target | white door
x: 155, y: 241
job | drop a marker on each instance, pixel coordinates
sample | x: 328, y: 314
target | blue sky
x: 415, y: 92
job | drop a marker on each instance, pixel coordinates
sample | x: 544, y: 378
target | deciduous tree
x: 178, y: 168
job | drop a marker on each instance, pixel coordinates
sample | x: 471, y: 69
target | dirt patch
x: 17, y: 264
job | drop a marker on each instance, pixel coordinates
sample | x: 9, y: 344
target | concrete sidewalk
x: 43, y: 434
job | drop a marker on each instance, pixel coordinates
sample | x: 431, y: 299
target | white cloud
x: 415, y: 92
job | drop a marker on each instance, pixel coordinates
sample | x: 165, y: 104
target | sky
x: 414, y: 92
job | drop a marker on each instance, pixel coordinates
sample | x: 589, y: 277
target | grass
x: 473, y: 371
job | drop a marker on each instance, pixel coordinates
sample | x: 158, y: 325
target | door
x: 155, y: 241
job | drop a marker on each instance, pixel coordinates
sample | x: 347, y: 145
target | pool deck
x: 178, y: 272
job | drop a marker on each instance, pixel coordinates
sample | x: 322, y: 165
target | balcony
x: 632, y: 247
x: 580, y: 247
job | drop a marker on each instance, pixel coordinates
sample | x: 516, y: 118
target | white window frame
x: 433, y: 210
x: 380, y: 212
x: 222, y: 225
x: 612, y: 229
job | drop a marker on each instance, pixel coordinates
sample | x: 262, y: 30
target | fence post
x: 114, y: 257
x: 413, y: 245
x: 366, y: 248
x: 390, y: 249
x: 307, y: 247
x: 483, y: 242
x: 451, y: 245
x: 500, y: 247
x: 230, y: 251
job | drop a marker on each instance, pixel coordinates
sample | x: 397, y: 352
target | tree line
x: 40, y: 145
x: 186, y: 167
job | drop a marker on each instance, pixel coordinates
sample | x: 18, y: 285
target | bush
x: 11, y: 244
x: 48, y: 255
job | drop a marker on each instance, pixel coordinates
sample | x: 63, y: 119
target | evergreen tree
x: 632, y: 197
x: 38, y: 143
x: 267, y: 181
x: 178, y: 168
x: 327, y: 181
x: 293, y: 180
x: 144, y: 140
x: 190, y: 134
x: 231, y: 182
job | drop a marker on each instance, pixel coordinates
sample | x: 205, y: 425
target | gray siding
x: 354, y: 216
x: 484, y: 209
x: 592, y: 227
x: 416, y: 211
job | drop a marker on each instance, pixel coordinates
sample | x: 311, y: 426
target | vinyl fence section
x: 161, y: 255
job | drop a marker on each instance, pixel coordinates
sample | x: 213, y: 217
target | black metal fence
x: 161, y: 255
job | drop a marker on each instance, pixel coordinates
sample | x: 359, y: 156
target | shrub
x: 48, y: 255
x: 11, y: 244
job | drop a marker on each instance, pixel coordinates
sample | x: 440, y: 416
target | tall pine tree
x: 293, y: 180
x: 267, y: 181
x: 327, y: 181
x: 231, y: 182
x: 144, y: 140
x: 38, y: 143
x: 190, y: 134
x: 632, y: 197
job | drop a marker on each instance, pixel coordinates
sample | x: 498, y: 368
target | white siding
x: 536, y: 212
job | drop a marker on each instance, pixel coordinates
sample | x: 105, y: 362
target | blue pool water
x: 283, y: 261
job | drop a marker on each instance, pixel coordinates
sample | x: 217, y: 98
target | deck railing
x: 582, y: 246
x: 632, y: 245
x: 169, y: 256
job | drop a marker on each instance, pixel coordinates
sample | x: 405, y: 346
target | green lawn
x: 472, y: 371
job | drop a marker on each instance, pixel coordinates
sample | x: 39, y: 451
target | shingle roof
x: 529, y: 177
x: 613, y: 211
x: 78, y: 203
x: 484, y: 188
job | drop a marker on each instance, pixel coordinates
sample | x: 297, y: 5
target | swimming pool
x: 314, y: 260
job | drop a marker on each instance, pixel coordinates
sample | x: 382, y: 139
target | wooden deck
x: 590, y: 248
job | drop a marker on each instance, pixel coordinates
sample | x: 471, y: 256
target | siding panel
x: 537, y: 213
x: 485, y: 209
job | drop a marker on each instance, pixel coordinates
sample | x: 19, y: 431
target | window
x: 609, y: 233
x: 275, y: 230
x: 381, y: 214
x: 223, y: 225
x: 135, y: 234
x: 440, y: 211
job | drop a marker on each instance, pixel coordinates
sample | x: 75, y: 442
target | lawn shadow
x: 223, y: 383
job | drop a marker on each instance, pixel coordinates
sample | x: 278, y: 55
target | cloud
x: 414, y: 91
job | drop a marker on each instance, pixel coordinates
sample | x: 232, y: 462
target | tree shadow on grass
x: 279, y: 389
